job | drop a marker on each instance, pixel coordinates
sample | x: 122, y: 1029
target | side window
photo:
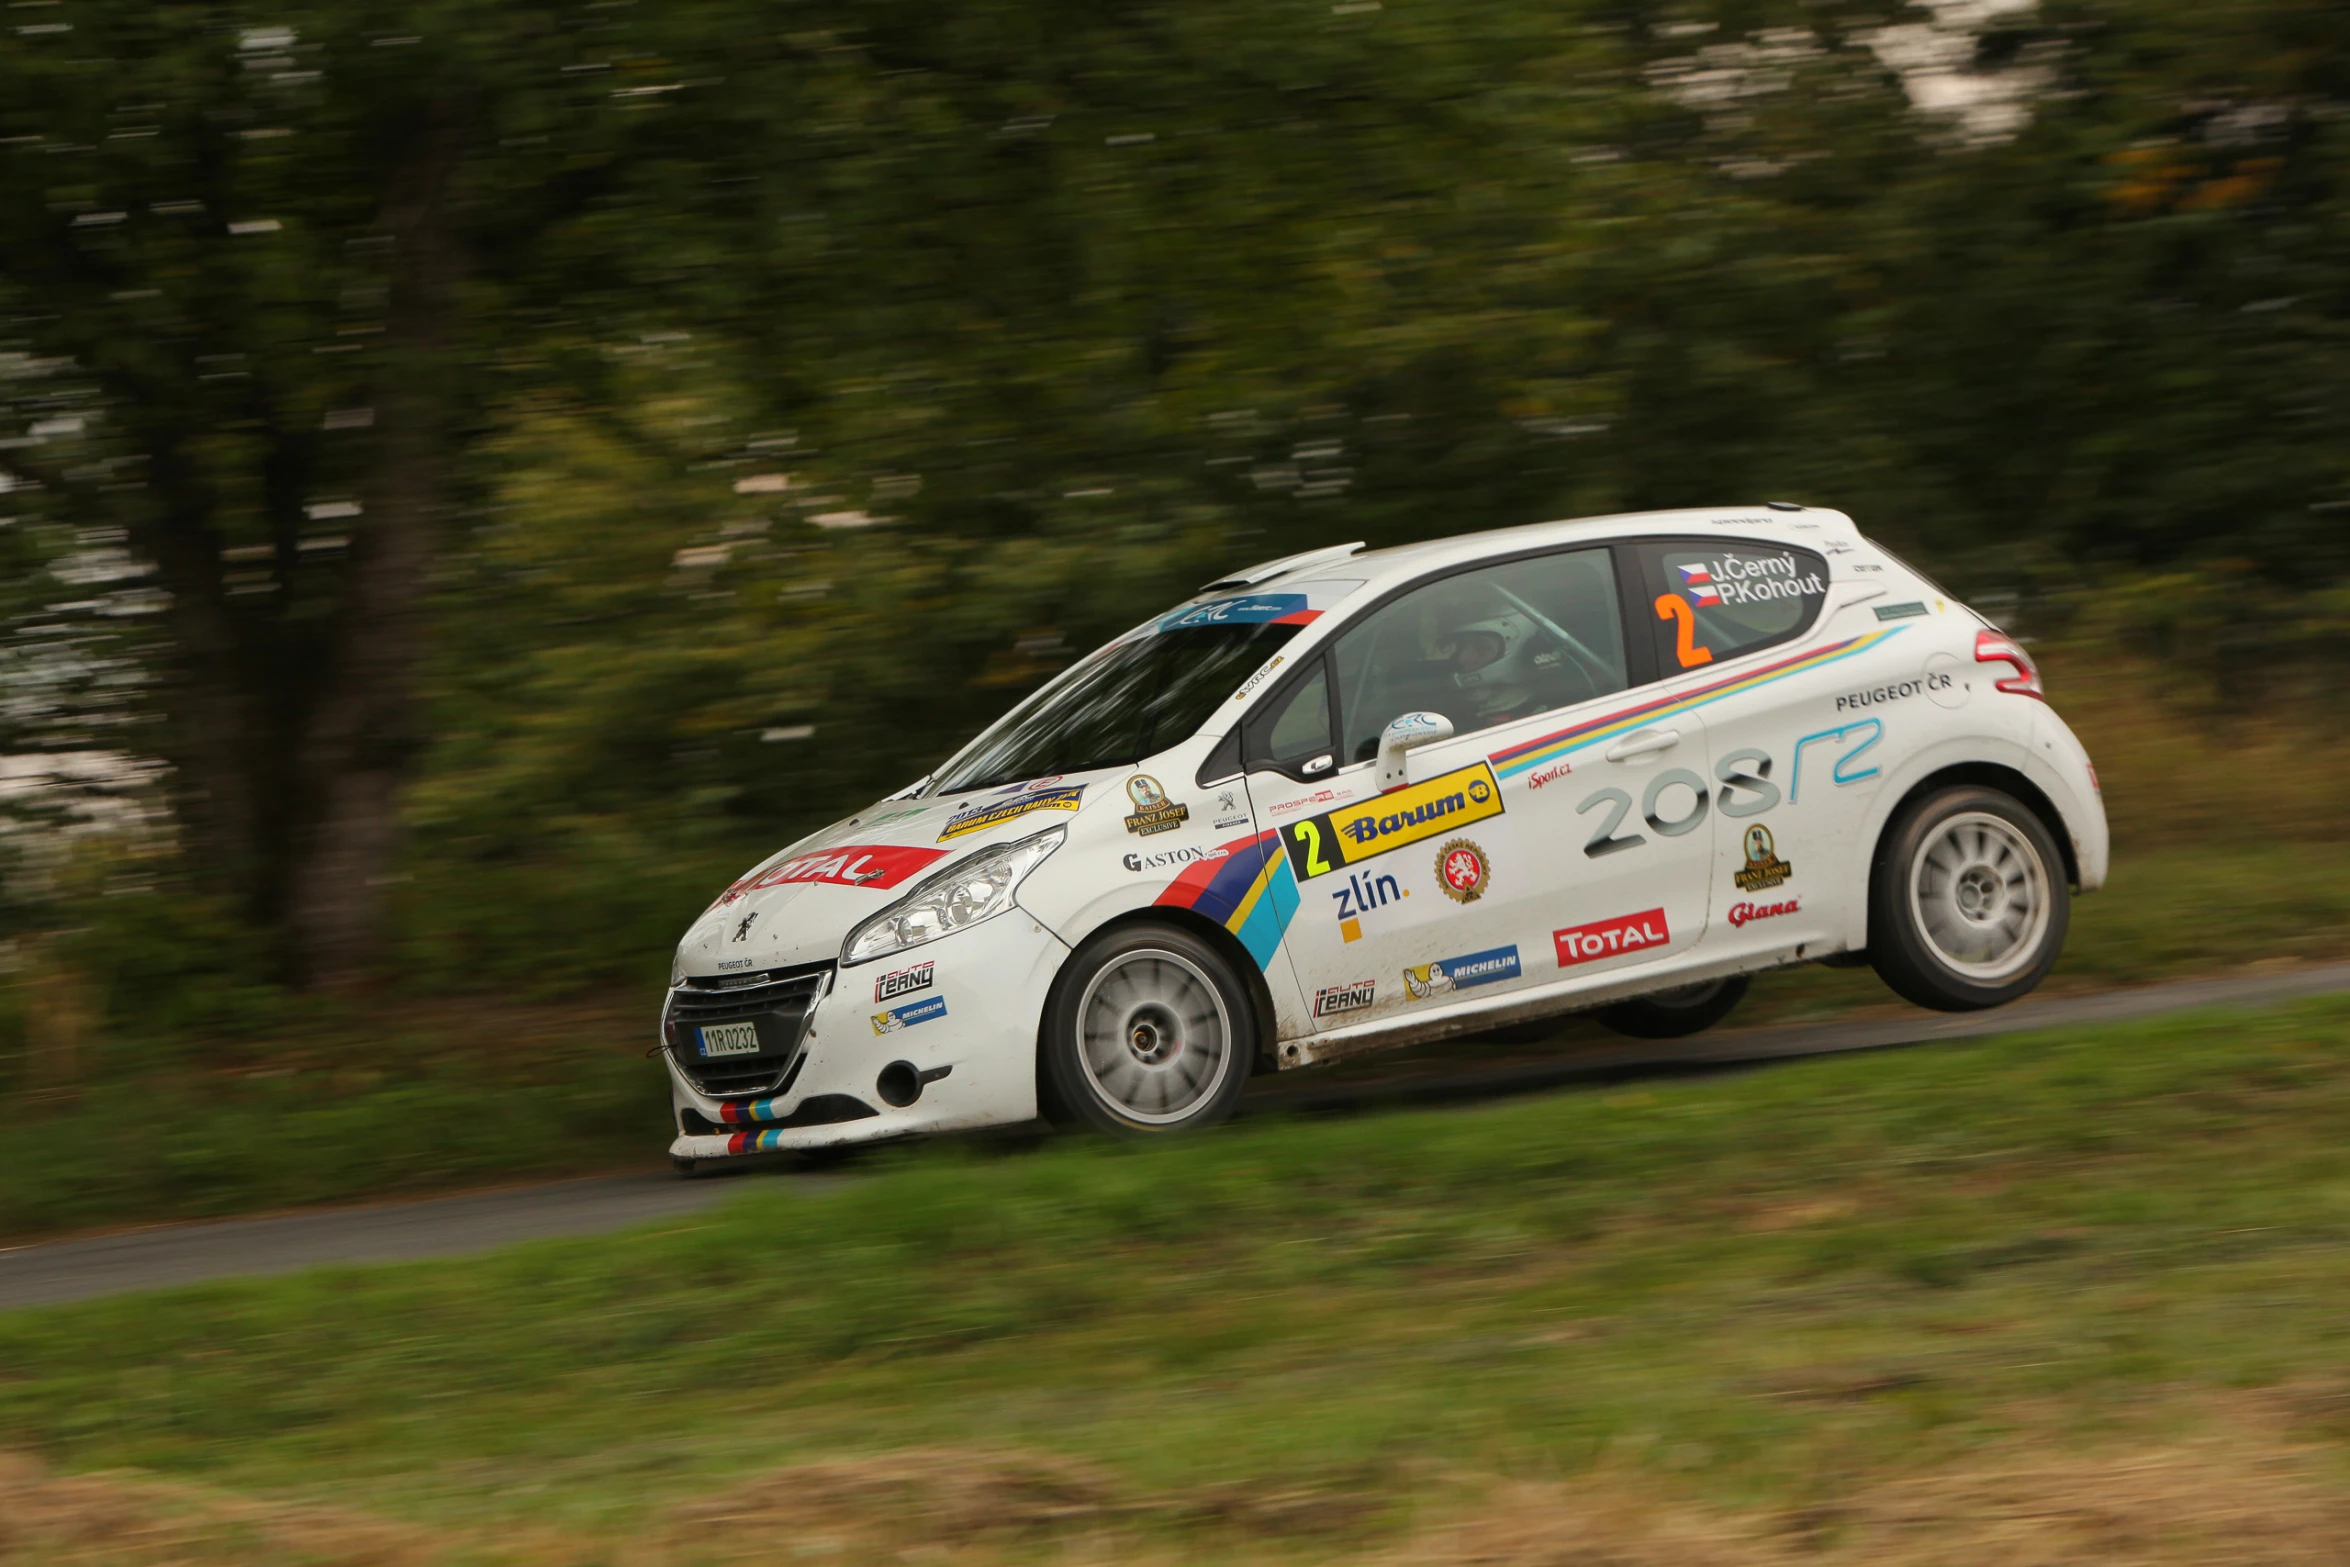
x: 1720, y: 598
x: 1295, y: 728
x: 1484, y: 647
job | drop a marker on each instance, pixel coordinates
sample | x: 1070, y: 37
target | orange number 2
x: 1671, y: 606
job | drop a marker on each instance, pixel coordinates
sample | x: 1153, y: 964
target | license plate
x: 730, y: 1039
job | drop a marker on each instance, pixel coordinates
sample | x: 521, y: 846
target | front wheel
x: 1149, y: 1030
x: 1967, y: 901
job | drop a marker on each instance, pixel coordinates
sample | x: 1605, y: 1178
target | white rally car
x: 1350, y: 800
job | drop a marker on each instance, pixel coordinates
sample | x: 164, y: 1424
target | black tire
x: 1968, y: 903
x: 1675, y: 1013
x: 1148, y: 1031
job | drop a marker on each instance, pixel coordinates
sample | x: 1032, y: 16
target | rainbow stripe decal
x: 734, y: 1114
x: 1549, y: 747
x: 756, y: 1142
x: 1250, y: 891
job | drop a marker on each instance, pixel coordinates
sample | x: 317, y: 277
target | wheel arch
x: 1260, y: 993
x: 1988, y: 775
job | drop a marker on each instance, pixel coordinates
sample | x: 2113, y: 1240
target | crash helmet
x: 1492, y: 660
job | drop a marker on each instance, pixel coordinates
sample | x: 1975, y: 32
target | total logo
x: 850, y: 865
x: 1611, y: 938
x: 1742, y: 914
x: 1361, y: 894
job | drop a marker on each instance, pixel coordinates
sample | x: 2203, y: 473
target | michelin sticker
x: 907, y: 1016
x: 1449, y: 974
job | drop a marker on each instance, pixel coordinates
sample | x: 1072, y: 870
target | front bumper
x: 965, y: 1043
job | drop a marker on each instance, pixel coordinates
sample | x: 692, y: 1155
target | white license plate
x: 730, y: 1039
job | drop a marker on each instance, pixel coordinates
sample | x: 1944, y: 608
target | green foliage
x: 849, y: 369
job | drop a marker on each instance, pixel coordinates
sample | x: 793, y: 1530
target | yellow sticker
x: 1352, y: 834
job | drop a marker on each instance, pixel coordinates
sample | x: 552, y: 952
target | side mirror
x: 1403, y: 735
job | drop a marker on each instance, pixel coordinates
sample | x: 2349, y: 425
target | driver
x: 1493, y: 665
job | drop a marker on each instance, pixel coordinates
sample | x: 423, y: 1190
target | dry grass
x: 138, y: 1521
x: 2177, y: 769
x: 2243, y: 1496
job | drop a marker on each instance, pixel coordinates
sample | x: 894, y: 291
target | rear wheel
x: 1967, y: 901
x: 1149, y: 1030
x: 1675, y: 1013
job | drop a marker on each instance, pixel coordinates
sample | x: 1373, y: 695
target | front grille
x: 777, y: 1003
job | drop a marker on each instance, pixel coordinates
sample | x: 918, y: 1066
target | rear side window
x: 1715, y: 599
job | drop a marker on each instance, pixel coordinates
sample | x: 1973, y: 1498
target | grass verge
x: 2014, y: 1299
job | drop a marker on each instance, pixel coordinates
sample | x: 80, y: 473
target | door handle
x: 1643, y: 743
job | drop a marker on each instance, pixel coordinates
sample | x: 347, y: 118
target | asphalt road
x: 58, y: 1272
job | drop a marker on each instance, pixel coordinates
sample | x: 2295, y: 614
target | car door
x: 1737, y: 615
x: 1452, y: 881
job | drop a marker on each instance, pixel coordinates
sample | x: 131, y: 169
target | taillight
x: 1993, y: 647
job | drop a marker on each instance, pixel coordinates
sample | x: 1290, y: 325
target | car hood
x: 798, y: 906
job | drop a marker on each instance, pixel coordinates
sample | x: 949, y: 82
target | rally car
x: 1348, y: 800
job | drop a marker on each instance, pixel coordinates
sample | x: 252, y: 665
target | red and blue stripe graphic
x: 1250, y: 892
x: 734, y: 1114
x: 1546, y: 748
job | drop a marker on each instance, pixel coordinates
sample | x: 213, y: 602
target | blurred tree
x: 762, y: 396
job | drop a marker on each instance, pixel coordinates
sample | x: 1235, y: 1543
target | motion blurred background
x: 475, y: 477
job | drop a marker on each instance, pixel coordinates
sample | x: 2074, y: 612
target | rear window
x: 1715, y: 599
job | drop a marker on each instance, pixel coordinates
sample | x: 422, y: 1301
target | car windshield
x: 1131, y: 700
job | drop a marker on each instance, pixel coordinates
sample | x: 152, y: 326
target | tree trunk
x: 361, y: 733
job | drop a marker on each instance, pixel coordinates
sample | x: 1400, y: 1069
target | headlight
x: 957, y: 898
x: 677, y: 966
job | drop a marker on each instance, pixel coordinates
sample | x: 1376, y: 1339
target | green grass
x: 396, y: 1108
x: 402, y: 1102
x: 1762, y: 1290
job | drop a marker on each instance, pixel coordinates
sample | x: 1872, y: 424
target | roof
x: 1778, y: 520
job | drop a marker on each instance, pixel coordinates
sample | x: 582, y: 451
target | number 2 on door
x: 1310, y: 840
x: 1673, y: 607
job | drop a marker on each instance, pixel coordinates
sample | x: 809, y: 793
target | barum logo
x: 1370, y: 829
x: 1611, y: 938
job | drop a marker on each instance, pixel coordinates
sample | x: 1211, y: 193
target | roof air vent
x: 1784, y: 505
